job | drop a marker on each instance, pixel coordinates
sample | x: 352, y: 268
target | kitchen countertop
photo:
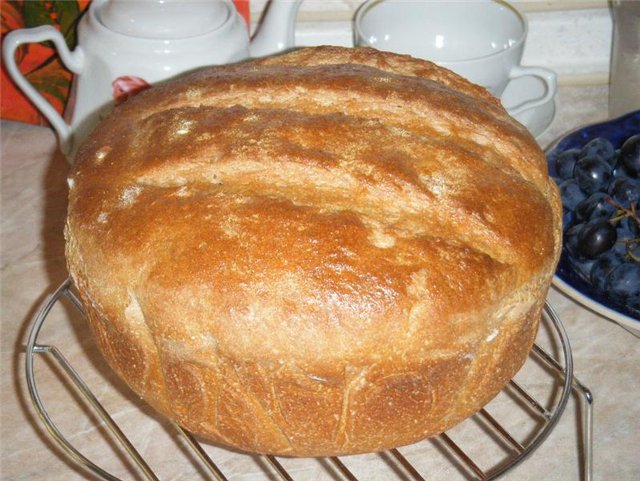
x: 606, y: 356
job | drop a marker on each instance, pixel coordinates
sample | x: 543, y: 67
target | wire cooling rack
x: 539, y: 418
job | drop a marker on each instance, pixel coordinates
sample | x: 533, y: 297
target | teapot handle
x: 74, y: 61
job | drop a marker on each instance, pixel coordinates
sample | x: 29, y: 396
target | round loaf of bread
x: 326, y: 252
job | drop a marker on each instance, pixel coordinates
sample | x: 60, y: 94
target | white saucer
x: 536, y: 119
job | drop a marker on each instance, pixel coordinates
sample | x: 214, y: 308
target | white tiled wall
x: 575, y: 43
x: 572, y: 37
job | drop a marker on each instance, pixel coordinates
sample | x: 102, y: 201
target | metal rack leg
x: 586, y: 411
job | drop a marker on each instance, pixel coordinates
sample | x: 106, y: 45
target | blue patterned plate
x: 567, y: 279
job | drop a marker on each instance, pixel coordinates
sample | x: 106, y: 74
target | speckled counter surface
x: 606, y: 356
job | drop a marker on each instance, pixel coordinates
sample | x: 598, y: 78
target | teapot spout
x: 277, y: 29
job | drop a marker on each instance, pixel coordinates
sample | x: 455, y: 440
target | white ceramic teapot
x: 125, y: 46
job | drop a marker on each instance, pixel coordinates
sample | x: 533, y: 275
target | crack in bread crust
x: 319, y: 253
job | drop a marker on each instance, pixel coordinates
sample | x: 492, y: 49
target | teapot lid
x: 163, y: 19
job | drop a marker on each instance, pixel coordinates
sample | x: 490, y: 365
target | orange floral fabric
x: 39, y: 62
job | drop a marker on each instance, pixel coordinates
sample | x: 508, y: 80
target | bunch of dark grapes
x: 600, y: 189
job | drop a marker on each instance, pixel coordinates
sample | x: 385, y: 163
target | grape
x: 618, y: 172
x: 603, y: 266
x: 565, y: 163
x: 595, y: 207
x: 592, y: 174
x: 595, y: 239
x: 583, y: 267
x: 624, y: 190
x: 601, y: 148
x: 571, y: 194
x: 571, y: 239
x: 623, y: 282
x: 630, y: 156
x: 603, y: 211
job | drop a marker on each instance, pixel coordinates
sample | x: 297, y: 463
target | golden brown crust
x: 326, y: 252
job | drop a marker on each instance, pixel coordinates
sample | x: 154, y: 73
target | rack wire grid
x: 512, y: 449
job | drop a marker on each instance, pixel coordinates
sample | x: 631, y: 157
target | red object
x: 126, y: 86
x: 243, y: 9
